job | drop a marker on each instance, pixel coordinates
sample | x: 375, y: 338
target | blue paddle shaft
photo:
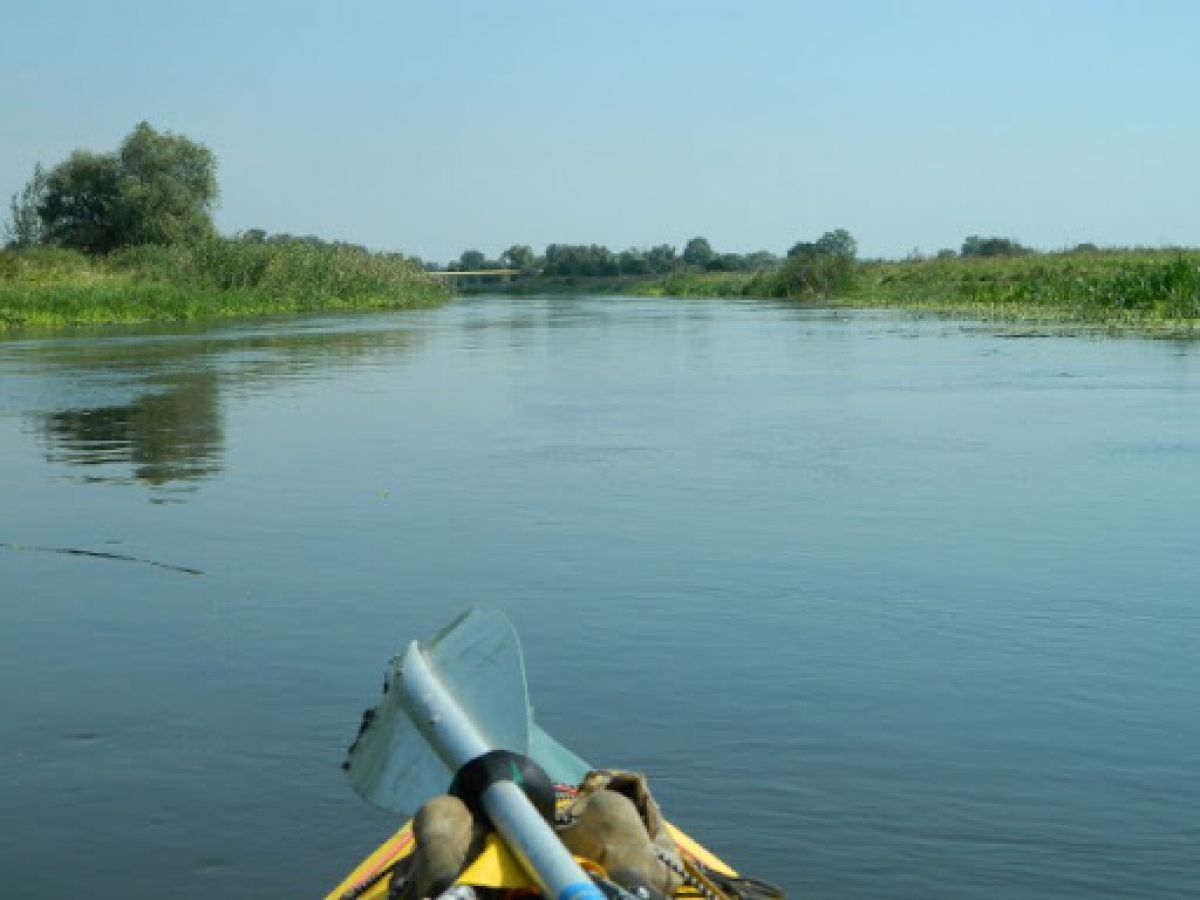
x: 456, y: 739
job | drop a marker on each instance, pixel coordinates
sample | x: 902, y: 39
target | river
x: 885, y: 607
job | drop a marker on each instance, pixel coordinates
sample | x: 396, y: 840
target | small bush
x: 813, y: 273
x: 44, y: 264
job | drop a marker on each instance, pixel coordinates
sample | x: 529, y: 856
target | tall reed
x: 1116, y: 287
x: 216, y: 277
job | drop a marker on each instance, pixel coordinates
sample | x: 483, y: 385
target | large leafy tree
x: 158, y: 188
x: 580, y: 259
x: 662, y: 259
x: 519, y: 256
x: 838, y: 242
x: 79, y: 206
x: 698, y: 253
x: 472, y: 260
x: 633, y: 262
x: 832, y: 243
x: 168, y: 187
x: 826, y: 266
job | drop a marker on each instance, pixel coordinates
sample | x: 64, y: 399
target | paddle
x: 451, y: 700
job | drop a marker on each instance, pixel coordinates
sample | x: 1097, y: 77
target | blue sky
x: 434, y: 127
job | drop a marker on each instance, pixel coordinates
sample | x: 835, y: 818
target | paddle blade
x: 559, y: 763
x: 477, y: 658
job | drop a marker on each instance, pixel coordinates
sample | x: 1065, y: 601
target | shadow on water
x: 146, y: 406
x: 172, y: 434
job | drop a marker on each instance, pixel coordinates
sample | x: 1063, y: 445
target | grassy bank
x: 217, y: 278
x: 1151, y: 290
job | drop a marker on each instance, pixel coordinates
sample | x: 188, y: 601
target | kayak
x: 495, y: 868
x: 455, y: 720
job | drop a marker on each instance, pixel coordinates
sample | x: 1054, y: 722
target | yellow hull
x: 494, y: 868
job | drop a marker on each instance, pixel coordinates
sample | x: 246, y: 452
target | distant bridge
x: 478, y: 276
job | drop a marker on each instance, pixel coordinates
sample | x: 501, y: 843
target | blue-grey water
x: 886, y: 608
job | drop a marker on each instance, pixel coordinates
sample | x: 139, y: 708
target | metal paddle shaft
x: 454, y: 736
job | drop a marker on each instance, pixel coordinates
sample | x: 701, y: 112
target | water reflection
x: 146, y: 406
x: 173, y: 433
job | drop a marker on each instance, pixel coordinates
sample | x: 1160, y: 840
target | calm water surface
x: 885, y: 608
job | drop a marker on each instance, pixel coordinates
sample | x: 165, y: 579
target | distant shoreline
x: 1150, y: 292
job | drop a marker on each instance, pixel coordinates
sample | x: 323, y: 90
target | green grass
x: 1154, y: 291
x: 1127, y: 289
x: 1146, y: 290
x: 218, y: 278
x: 697, y: 284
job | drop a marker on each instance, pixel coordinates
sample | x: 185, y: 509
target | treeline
x: 698, y: 256
x: 593, y: 260
x: 128, y: 236
x: 157, y: 188
x: 827, y: 265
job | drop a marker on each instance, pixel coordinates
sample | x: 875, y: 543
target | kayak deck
x: 495, y: 867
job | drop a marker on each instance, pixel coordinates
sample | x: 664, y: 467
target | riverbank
x: 1149, y: 291
x: 1138, y: 291
x: 1153, y: 291
x: 220, y: 278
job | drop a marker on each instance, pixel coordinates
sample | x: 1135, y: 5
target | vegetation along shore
x: 216, y: 277
x: 1123, y: 290
x: 128, y: 237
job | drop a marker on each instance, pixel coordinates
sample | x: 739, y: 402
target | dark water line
x: 99, y: 554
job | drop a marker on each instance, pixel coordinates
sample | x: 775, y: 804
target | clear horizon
x: 433, y: 129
